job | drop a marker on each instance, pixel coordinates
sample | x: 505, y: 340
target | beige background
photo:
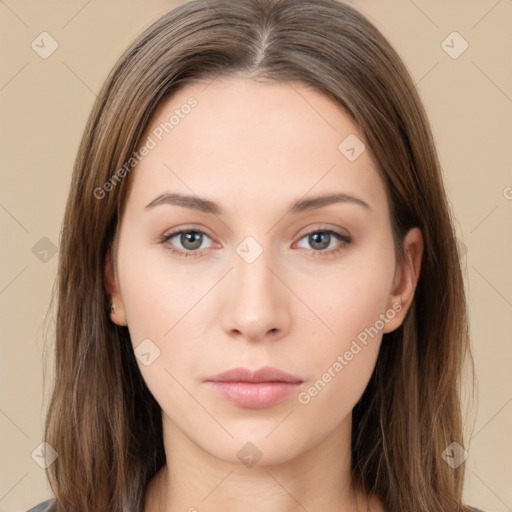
x: 45, y: 103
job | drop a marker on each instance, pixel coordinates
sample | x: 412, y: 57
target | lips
x: 265, y: 374
x: 254, y: 389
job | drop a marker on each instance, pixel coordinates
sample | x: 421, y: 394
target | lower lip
x: 254, y: 395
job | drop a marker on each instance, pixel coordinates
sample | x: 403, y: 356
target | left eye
x: 321, y: 240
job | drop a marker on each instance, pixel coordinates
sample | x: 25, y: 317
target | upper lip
x: 265, y: 374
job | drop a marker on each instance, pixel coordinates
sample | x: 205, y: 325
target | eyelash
x: 322, y: 253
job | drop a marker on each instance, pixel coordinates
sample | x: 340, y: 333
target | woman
x: 260, y: 298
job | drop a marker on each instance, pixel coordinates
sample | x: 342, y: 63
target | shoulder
x: 44, y: 506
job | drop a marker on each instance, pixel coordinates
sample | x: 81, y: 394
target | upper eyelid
x: 186, y: 229
x: 322, y: 227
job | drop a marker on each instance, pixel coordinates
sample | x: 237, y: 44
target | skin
x: 255, y: 148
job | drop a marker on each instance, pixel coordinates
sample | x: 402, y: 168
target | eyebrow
x: 208, y: 206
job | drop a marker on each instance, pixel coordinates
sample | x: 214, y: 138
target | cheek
x: 356, y: 306
x: 353, y: 298
x: 156, y: 294
x: 355, y: 314
x: 340, y: 364
x: 340, y: 384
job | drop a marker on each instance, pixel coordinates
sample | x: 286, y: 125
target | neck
x: 315, y: 480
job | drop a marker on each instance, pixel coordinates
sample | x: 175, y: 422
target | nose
x: 256, y: 300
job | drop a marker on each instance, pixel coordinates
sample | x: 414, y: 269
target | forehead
x: 237, y: 139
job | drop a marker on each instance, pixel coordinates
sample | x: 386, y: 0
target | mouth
x: 254, y: 389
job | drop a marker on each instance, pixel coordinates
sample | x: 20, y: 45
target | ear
x: 406, y: 279
x: 119, y: 314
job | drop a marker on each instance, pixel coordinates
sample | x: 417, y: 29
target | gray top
x: 46, y: 505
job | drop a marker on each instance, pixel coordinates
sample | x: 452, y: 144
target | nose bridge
x: 255, y: 304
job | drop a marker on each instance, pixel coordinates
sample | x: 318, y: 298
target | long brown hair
x: 102, y: 420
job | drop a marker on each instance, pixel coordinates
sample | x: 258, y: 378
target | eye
x: 190, y: 239
x: 323, y: 238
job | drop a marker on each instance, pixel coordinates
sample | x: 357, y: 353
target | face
x: 254, y: 282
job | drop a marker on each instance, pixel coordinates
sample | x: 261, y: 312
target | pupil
x: 189, y: 236
x: 321, y: 234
